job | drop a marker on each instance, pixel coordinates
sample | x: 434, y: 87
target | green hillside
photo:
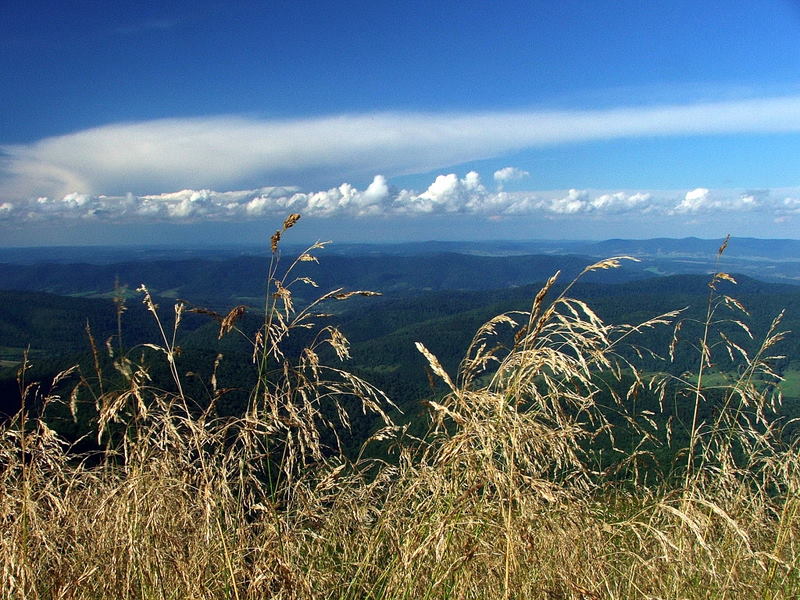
x: 382, y: 331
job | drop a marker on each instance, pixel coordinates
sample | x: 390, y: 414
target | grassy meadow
x: 502, y: 493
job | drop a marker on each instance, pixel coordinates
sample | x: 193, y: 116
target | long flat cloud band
x: 230, y: 152
x: 447, y: 194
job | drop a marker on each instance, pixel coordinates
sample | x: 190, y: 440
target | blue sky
x: 139, y: 122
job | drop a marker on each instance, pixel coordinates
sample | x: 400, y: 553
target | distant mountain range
x: 236, y: 274
x: 243, y: 279
x: 691, y: 247
x: 739, y: 248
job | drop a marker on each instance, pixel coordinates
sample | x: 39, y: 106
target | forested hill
x: 243, y: 278
x: 57, y: 323
x: 383, y: 330
x: 232, y: 276
x: 384, y: 333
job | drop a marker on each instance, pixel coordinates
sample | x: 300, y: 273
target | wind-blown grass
x: 502, y: 497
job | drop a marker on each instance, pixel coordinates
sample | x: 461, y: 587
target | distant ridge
x: 239, y: 278
x: 740, y: 247
x: 752, y: 248
x: 236, y: 273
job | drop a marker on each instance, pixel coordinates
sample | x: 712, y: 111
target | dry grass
x: 499, y: 499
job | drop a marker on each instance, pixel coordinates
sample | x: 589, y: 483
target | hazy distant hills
x: 440, y: 289
x: 691, y: 247
x: 242, y: 279
x: 237, y: 273
x: 740, y: 248
x: 103, y: 255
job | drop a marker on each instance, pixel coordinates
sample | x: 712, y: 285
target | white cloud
x: 790, y: 206
x: 506, y: 174
x: 695, y: 200
x: 447, y: 194
x: 230, y: 151
x: 702, y: 200
x: 574, y: 202
x: 620, y: 202
x: 377, y: 191
x: 76, y: 199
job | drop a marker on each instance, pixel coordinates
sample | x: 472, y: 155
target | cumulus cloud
x: 448, y: 194
x: 575, y: 201
x: 694, y: 201
x: 506, y: 174
x: 789, y: 206
x: 621, y: 202
x: 230, y: 152
x: 702, y: 200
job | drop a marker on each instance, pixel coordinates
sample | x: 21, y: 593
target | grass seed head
x: 273, y: 241
x: 291, y: 220
x: 229, y: 322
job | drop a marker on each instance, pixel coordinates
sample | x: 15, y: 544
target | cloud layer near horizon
x: 231, y: 152
x: 447, y: 194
